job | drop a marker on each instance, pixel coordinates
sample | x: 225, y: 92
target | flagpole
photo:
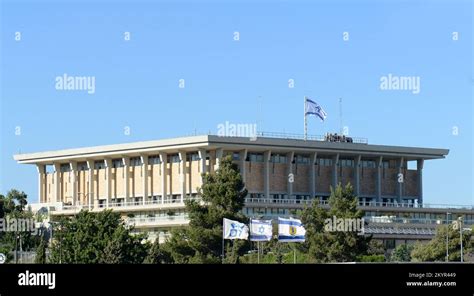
x: 305, y: 121
x: 223, y: 234
x: 258, y: 252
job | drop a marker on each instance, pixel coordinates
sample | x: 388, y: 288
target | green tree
x: 157, y: 255
x: 435, y: 250
x: 13, y: 206
x: 222, y: 196
x: 402, y: 253
x: 96, y: 238
x: 334, y: 246
x: 41, y: 251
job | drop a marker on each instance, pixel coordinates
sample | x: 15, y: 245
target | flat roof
x: 211, y: 142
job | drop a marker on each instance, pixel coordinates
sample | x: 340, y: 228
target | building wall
x: 155, y: 179
x: 302, y: 173
x: 193, y: 176
x: 389, y: 181
x: 278, y: 177
x: 368, y: 177
x: 174, y: 178
x: 49, y: 187
x: 278, y: 174
x: 346, y: 175
x: 411, y: 183
x: 254, y: 176
x: 323, y: 178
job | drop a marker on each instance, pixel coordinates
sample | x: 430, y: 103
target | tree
x: 435, y: 250
x: 402, y: 253
x: 96, y: 238
x: 222, y: 196
x: 157, y: 255
x: 41, y: 251
x: 334, y: 246
x: 13, y: 205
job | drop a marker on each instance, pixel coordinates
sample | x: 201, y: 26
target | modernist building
x: 148, y: 182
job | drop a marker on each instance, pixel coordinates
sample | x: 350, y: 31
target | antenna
x: 259, y: 113
x: 340, y: 116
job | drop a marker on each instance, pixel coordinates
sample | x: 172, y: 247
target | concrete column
x: 378, y: 184
x: 57, y: 182
x: 289, y: 170
x: 108, y: 181
x: 335, y: 161
x: 202, y: 162
x: 182, y: 175
x: 219, y: 153
x: 73, y: 173
x: 90, y: 194
x: 357, y: 165
x: 266, y: 173
x: 144, y: 159
x: 41, y: 184
x: 400, y: 163
x: 419, y: 168
x: 243, y: 171
x: 126, y: 178
x: 312, y: 173
x: 164, y: 175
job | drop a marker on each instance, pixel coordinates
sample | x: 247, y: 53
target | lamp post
x: 447, y: 236
x: 460, y: 234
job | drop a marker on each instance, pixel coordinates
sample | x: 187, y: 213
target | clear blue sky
x: 137, y: 80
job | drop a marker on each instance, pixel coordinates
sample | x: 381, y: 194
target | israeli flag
x: 235, y: 230
x: 312, y: 108
x: 261, y: 230
x: 290, y: 230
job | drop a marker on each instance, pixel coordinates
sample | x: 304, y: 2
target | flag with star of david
x: 261, y: 230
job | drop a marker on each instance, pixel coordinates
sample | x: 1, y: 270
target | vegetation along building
x: 148, y: 182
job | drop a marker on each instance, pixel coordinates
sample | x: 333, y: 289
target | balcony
x: 130, y: 206
x: 299, y: 203
x: 146, y: 222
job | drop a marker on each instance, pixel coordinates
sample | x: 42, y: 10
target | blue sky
x: 137, y: 80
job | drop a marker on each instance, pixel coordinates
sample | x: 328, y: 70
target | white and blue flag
x: 235, y: 230
x: 290, y: 230
x: 313, y: 108
x: 261, y: 230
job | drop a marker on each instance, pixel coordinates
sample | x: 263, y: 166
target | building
x: 148, y: 182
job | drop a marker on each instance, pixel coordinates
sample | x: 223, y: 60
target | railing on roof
x: 334, y: 138
x: 361, y: 203
x: 321, y: 138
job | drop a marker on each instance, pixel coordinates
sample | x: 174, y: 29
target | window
x: 368, y: 164
x: 325, y: 162
x: 302, y: 159
x: 117, y: 163
x: 346, y: 163
x: 256, y: 157
x: 386, y: 164
x: 192, y: 156
x: 235, y: 156
x: 65, y: 167
x: 82, y: 166
x: 155, y: 159
x: 135, y: 161
x: 174, y: 158
x: 278, y: 158
x: 99, y: 164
